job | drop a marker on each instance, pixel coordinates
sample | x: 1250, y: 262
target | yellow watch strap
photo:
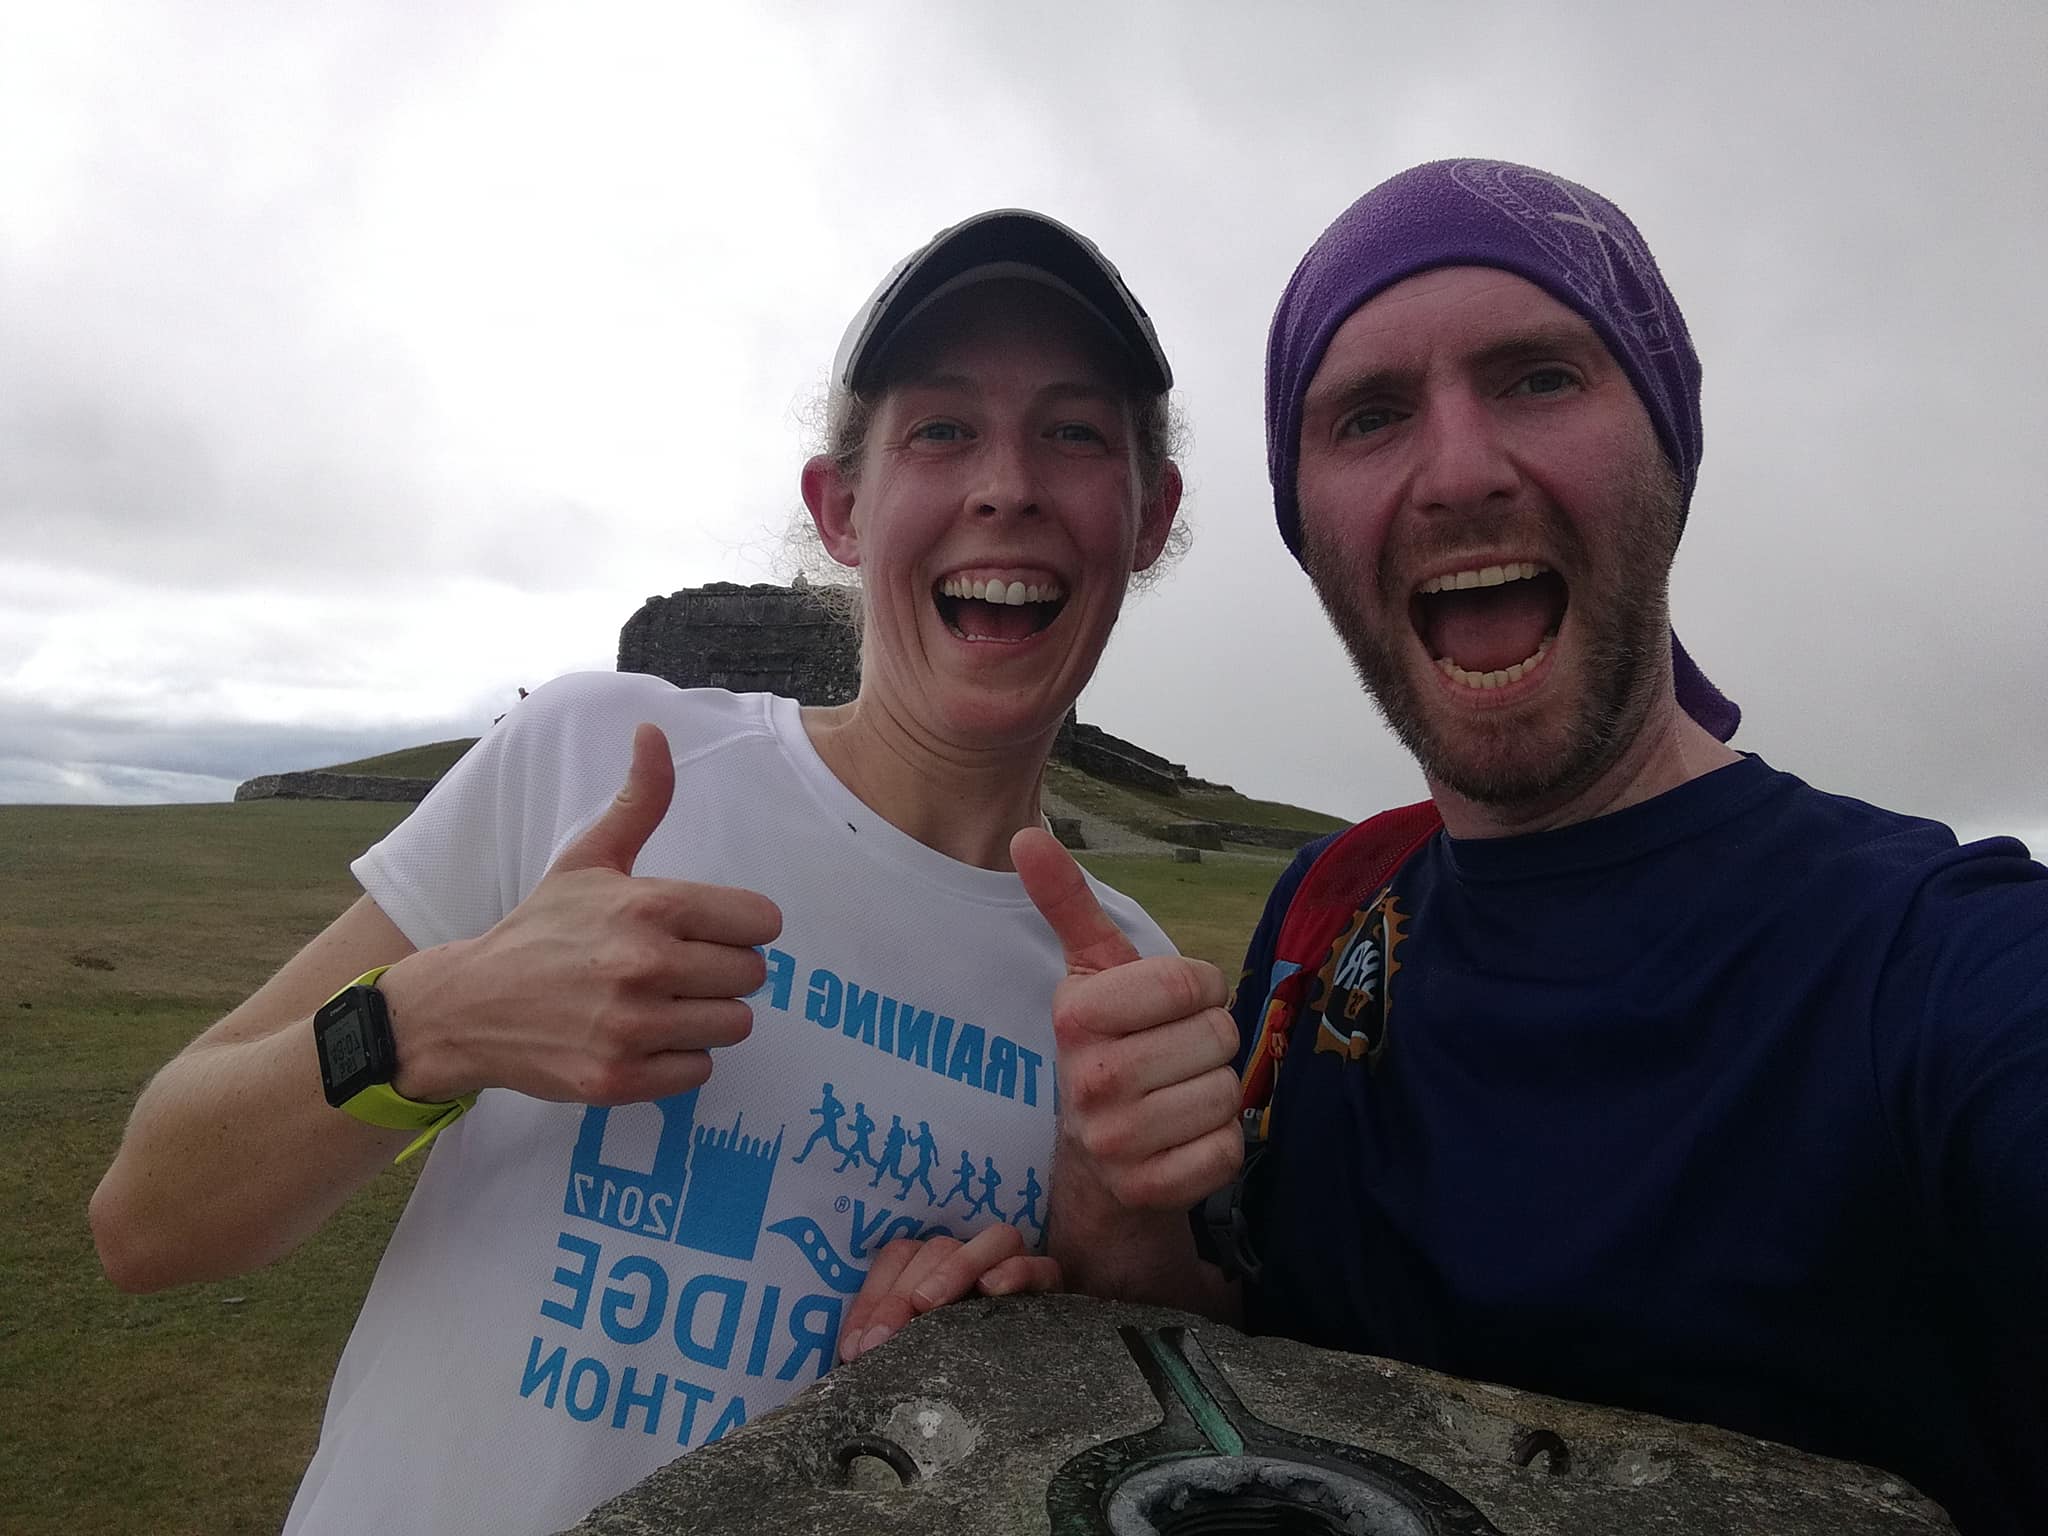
x: 382, y: 1105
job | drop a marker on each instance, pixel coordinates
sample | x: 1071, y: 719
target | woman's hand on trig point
x: 911, y: 1276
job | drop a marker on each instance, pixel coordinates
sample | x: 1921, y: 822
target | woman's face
x: 995, y: 515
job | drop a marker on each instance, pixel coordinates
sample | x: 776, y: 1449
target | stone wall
x: 750, y: 639
x: 1267, y: 837
x: 332, y: 786
x: 1094, y: 751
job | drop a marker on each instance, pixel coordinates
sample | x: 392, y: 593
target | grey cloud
x: 129, y: 755
x: 1852, y: 208
x: 97, y: 478
x: 35, y: 781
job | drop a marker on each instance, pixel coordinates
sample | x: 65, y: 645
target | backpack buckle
x: 1223, y: 1232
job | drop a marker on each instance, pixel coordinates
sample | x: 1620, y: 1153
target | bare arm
x: 602, y: 987
x: 233, y: 1156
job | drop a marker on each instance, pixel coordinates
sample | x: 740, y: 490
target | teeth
x: 1011, y: 594
x: 1496, y: 679
x: 1485, y: 576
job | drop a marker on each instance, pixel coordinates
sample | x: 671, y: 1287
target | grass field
x: 126, y: 931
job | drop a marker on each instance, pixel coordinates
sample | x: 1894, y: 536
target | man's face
x: 1489, y: 521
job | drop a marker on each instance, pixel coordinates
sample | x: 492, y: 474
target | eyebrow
x: 1563, y: 338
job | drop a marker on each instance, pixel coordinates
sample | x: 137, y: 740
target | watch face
x: 353, y: 1039
x: 347, y: 1054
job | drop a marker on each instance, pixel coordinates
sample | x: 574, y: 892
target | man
x: 1655, y: 1077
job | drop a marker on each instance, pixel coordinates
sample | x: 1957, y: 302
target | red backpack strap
x: 1359, y: 862
x: 1355, y: 865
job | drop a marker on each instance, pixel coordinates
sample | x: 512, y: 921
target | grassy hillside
x: 1140, y: 810
x: 1144, y: 811
x: 127, y: 930
x: 428, y: 762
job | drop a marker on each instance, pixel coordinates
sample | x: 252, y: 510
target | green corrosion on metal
x: 1202, y: 1420
x: 1208, y: 1414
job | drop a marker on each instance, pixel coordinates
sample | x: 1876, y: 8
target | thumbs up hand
x: 1148, y: 1103
x: 602, y: 986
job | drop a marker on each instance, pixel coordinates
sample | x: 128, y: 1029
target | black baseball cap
x: 1004, y: 242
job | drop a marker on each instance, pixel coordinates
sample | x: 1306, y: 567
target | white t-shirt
x: 574, y: 1296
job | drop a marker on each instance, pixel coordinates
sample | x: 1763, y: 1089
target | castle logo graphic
x: 650, y: 1168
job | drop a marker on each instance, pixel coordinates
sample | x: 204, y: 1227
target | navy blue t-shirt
x: 1731, y: 1106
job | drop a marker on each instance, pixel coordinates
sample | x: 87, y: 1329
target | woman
x: 775, y: 1004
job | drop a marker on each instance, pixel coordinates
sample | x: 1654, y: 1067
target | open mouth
x: 1489, y: 626
x: 999, y: 608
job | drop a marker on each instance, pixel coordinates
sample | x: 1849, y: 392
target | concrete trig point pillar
x: 1062, y: 1416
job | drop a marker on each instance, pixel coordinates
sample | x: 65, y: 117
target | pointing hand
x: 602, y: 986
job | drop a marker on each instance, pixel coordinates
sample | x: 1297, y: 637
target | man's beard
x: 1623, y: 626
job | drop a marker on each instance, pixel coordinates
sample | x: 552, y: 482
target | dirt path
x: 1102, y: 835
x: 1105, y: 836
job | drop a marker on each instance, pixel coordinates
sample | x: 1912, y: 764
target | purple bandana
x: 1570, y: 242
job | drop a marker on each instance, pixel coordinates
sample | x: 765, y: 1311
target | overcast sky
x: 362, y: 363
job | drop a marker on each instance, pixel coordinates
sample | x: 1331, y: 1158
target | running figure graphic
x: 991, y: 1181
x: 828, y: 1112
x: 857, y: 1151
x: 891, y: 1160
x: 1028, y: 1211
x: 927, y: 1154
x: 963, y: 1183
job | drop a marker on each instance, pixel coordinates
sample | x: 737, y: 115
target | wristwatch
x: 358, y: 1059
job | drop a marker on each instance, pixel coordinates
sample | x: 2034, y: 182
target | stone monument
x: 790, y: 640
x: 751, y: 639
x: 1064, y: 1416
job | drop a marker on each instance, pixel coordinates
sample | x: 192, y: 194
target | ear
x: 1155, y: 519
x: 830, y: 501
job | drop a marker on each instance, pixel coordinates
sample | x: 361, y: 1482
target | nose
x: 1007, y: 482
x: 1465, y: 464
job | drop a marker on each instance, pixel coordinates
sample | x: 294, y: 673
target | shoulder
x: 578, y: 702
x: 1975, y: 913
x: 1305, y: 857
x: 1951, y: 938
x: 584, y: 722
x: 1914, y: 861
x: 556, y: 758
x: 1849, y: 822
x: 1145, y: 935
x: 1259, y: 948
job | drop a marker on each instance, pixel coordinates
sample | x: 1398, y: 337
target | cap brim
x: 1004, y: 238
